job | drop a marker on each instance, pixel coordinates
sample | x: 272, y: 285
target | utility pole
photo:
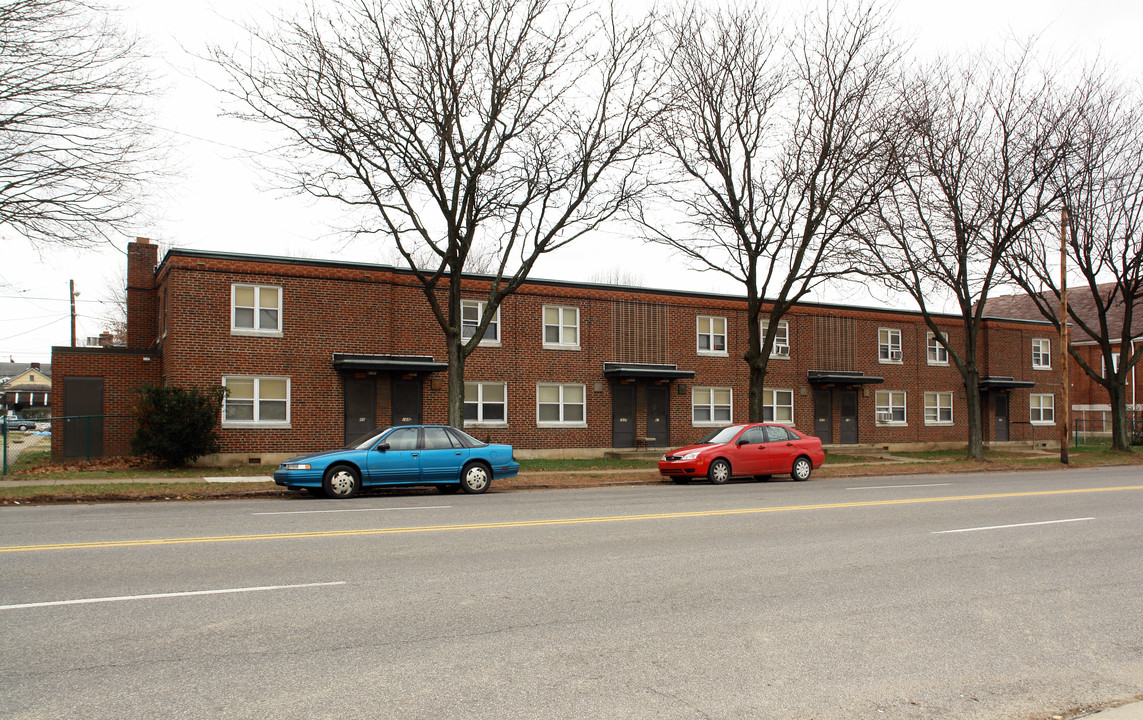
x: 71, y: 294
x: 1067, y: 407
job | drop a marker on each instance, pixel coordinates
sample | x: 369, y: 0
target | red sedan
x: 756, y: 450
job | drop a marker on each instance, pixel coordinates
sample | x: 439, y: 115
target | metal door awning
x: 841, y: 377
x: 645, y: 371
x: 1003, y: 382
x: 388, y: 363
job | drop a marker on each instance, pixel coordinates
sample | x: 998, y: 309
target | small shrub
x: 176, y: 425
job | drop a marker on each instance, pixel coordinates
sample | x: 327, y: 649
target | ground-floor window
x: 485, y: 402
x: 938, y: 408
x: 561, y: 404
x: 711, y: 405
x: 890, y: 407
x: 256, y: 400
x: 778, y: 406
x: 1041, y: 409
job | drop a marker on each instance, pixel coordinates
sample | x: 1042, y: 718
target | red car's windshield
x: 721, y: 435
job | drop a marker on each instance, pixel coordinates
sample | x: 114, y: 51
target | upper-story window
x: 937, y: 353
x: 561, y: 327
x: 256, y: 400
x: 711, y: 335
x: 470, y: 314
x: 889, y: 345
x: 1114, y: 365
x: 255, y: 309
x: 781, y: 338
x: 1041, y: 354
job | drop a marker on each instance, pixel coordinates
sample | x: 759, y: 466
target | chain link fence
x: 1095, y: 429
x: 84, y: 437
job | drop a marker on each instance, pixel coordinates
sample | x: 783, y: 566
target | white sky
x: 218, y: 201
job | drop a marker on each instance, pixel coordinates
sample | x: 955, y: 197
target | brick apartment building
x: 317, y: 352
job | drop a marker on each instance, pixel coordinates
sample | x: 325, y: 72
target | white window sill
x: 711, y: 423
x: 713, y: 353
x: 488, y: 343
x: 938, y: 363
x: 246, y: 332
x: 895, y: 423
x: 1041, y: 367
x: 780, y: 357
x: 891, y: 362
x: 485, y: 424
x: 1043, y: 423
x: 560, y: 424
x: 248, y: 425
x: 941, y: 423
x: 557, y: 346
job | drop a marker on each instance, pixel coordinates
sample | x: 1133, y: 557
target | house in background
x: 314, y: 353
x: 26, y: 388
x: 1090, y: 406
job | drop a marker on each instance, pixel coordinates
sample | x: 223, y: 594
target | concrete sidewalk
x: 1131, y: 711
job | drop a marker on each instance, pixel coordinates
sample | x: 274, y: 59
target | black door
x: 622, y: 416
x: 360, y: 407
x: 1001, y: 402
x: 83, y: 407
x: 823, y: 415
x: 659, y: 415
x: 406, y: 401
x: 848, y: 400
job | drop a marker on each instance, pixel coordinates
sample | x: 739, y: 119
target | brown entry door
x: 360, y: 407
x: 83, y: 408
x: 406, y: 401
x: 659, y: 415
x: 848, y: 402
x: 622, y: 416
x: 823, y: 416
x: 1000, y: 400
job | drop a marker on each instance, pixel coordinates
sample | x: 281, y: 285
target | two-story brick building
x: 316, y: 352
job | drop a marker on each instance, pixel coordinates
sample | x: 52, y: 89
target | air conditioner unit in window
x: 782, y: 350
x: 885, y: 417
x: 894, y: 354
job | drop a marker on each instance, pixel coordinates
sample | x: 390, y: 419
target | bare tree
x: 510, y: 124
x: 75, y: 149
x: 779, y: 146
x: 1102, y: 185
x: 974, y: 178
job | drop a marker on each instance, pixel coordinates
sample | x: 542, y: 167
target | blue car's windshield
x: 721, y: 435
x: 367, y: 440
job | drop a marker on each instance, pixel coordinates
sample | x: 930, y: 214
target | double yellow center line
x: 544, y: 523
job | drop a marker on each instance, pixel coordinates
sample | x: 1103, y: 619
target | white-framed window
x: 561, y: 327
x: 1042, y: 409
x: 937, y: 353
x: 711, y: 405
x: 711, y: 335
x: 890, y: 407
x: 1041, y: 354
x: 256, y: 401
x: 889, y: 345
x: 486, y: 402
x: 938, y: 408
x: 255, y: 309
x: 781, y: 338
x: 1114, y: 365
x: 778, y: 406
x: 561, y: 404
x: 470, y: 314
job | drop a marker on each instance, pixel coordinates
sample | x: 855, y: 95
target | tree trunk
x: 975, y: 414
x: 456, y: 360
x: 754, y: 393
x: 1120, y: 429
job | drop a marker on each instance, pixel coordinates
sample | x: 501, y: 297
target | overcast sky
x: 217, y: 199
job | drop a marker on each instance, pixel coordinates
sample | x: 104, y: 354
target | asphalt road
x: 963, y: 596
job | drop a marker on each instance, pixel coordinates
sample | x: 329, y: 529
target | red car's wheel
x: 802, y: 469
x: 719, y: 471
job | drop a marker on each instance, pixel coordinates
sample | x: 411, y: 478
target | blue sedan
x: 437, y: 455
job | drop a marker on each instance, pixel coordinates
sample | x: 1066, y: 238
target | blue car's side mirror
x: 382, y: 447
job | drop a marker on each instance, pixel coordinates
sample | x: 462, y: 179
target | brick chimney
x: 106, y: 339
x: 142, y: 305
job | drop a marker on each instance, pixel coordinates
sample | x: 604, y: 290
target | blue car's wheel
x: 475, y: 477
x: 341, y: 481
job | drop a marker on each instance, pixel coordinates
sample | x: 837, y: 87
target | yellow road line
x: 542, y: 523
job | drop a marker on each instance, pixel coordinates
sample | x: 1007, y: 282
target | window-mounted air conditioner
x: 885, y: 417
x: 894, y: 354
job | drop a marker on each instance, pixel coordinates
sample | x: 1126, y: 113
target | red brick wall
x: 123, y: 371
x: 332, y: 308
